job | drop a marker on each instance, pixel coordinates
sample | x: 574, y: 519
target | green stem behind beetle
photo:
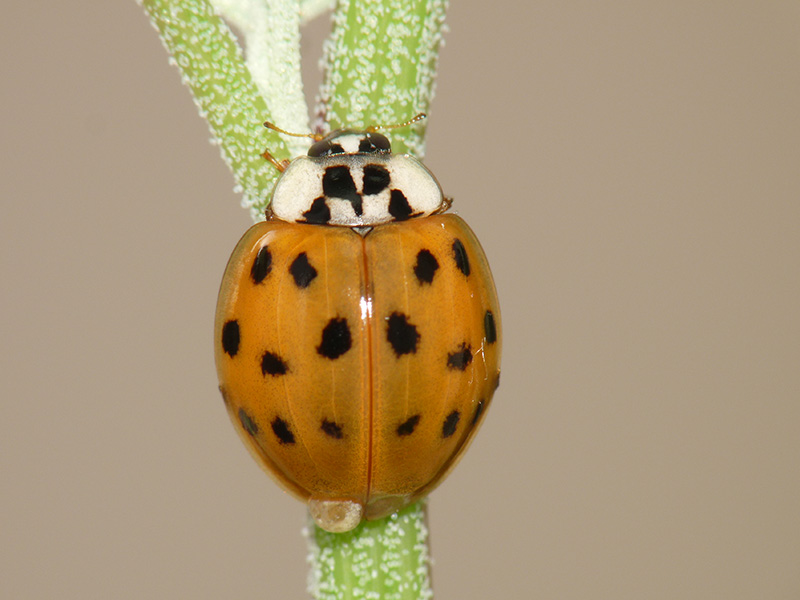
x: 380, y: 67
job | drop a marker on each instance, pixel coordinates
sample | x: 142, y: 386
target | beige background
x: 632, y: 171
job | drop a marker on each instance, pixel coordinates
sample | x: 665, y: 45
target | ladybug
x: 357, y: 334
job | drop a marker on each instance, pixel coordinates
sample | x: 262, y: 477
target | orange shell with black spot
x: 357, y: 368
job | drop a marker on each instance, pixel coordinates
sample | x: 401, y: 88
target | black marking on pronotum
x: 426, y: 266
x: 332, y: 429
x: 250, y: 426
x: 401, y: 334
x: 460, y: 256
x: 337, y: 182
x: 450, y: 424
x: 302, y: 271
x: 281, y: 429
x: 376, y: 179
x: 319, y: 213
x: 478, y: 412
x: 262, y: 265
x: 335, y: 339
x: 489, y: 327
x: 407, y: 426
x: 230, y: 337
x: 272, y: 364
x: 461, y: 358
x: 399, y: 207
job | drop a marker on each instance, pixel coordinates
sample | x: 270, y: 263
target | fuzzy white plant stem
x: 271, y: 30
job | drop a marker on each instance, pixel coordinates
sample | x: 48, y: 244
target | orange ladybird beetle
x: 357, y: 332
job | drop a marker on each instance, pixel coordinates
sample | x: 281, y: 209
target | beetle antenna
x: 419, y: 117
x: 314, y: 136
x: 282, y: 164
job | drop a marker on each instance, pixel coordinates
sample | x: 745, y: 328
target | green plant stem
x: 386, y: 559
x: 380, y: 65
x: 211, y: 64
x: 380, y: 68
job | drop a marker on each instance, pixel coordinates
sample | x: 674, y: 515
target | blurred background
x: 632, y: 172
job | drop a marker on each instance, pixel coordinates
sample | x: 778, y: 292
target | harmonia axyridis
x: 357, y: 333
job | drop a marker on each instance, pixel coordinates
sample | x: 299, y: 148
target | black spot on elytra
x: 401, y: 334
x: 497, y: 381
x: 247, y: 422
x: 399, y: 207
x: 376, y: 179
x: 337, y: 182
x: 319, y: 213
x: 230, y: 337
x: 461, y: 358
x: 450, y: 424
x: 407, y: 426
x: 281, y: 429
x: 478, y: 413
x: 335, y: 339
x: 460, y: 256
x: 332, y: 429
x: 262, y: 265
x: 302, y: 271
x: 489, y: 327
x: 426, y: 266
x: 272, y: 364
